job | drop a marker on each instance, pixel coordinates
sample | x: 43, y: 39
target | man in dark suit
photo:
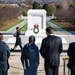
x: 4, y: 55
x: 50, y: 50
x: 71, y: 54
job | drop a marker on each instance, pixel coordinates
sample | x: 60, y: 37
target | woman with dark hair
x: 30, y: 57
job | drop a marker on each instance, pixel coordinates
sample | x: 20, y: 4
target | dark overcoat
x: 4, y: 55
x: 50, y: 50
x: 18, y: 39
x: 33, y: 56
x: 71, y: 54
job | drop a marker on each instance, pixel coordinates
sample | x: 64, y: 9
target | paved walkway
x: 15, y: 63
x: 59, y: 30
x: 17, y: 69
x: 13, y: 29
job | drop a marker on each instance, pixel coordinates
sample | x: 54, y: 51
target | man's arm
x: 61, y: 47
x: 69, y: 49
x: 42, y: 49
x: 38, y: 55
x: 8, y: 50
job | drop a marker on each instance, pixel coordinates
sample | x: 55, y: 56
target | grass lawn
x: 65, y: 25
x: 13, y: 25
x: 58, y: 24
x: 9, y: 24
x: 24, y: 28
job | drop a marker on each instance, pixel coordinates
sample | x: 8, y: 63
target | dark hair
x: 31, y: 39
x: 17, y: 27
x: 49, y: 30
x: 1, y: 35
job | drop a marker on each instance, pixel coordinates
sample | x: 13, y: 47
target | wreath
x: 36, y: 28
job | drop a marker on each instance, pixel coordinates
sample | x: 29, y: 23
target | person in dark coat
x: 50, y: 50
x: 71, y: 54
x: 18, y: 39
x: 4, y: 56
x: 30, y: 57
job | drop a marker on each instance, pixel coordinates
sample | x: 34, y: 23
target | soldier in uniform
x: 18, y: 39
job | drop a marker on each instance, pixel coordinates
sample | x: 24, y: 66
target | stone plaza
x: 14, y: 60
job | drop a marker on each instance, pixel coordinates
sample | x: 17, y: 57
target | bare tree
x: 12, y: 11
x: 30, y: 2
x: 72, y: 15
x: 8, y: 13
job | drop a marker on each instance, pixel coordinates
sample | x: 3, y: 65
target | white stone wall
x: 36, y: 17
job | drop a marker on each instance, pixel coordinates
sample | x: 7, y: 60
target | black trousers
x: 53, y: 70
x: 4, y: 72
x: 0, y: 72
x: 72, y: 72
x: 18, y: 42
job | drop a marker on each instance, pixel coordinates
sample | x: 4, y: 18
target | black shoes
x: 12, y: 49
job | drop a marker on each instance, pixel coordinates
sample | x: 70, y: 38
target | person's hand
x: 14, y: 35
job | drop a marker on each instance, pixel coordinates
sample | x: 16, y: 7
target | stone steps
x: 40, y: 33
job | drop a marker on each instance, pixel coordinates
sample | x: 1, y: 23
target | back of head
x: 1, y: 36
x: 17, y: 27
x: 49, y: 30
x: 31, y: 39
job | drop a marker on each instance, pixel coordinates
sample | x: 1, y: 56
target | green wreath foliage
x: 36, y: 30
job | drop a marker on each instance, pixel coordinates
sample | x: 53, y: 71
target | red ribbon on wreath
x: 36, y: 26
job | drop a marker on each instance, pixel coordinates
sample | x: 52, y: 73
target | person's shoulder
x: 4, y: 43
x: 5, y: 46
x: 36, y: 46
x: 72, y: 43
x: 45, y: 38
x: 25, y: 45
x: 56, y: 36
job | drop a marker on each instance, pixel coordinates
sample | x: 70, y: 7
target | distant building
x: 2, y: 1
x: 20, y: 1
x: 29, y: 1
x: 46, y: 1
x: 12, y: 1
